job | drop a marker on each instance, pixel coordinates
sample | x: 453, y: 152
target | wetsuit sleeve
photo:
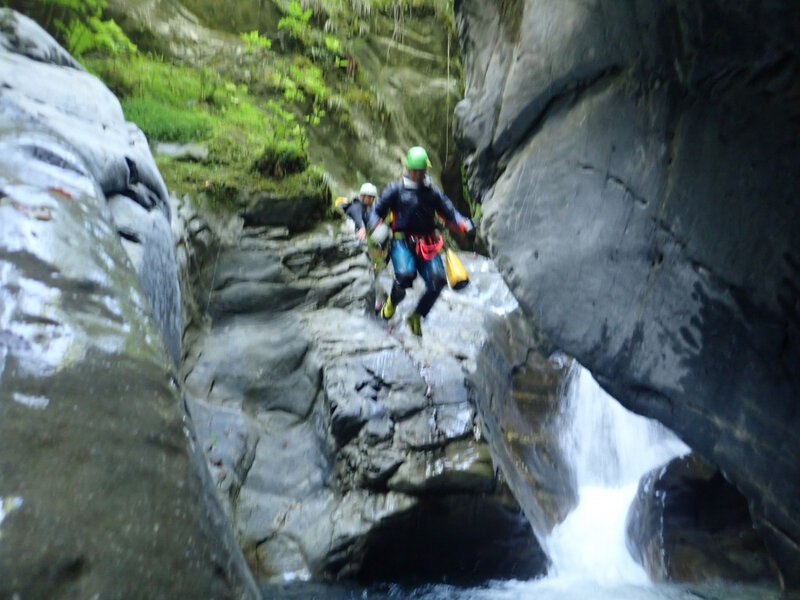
x: 448, y: 212
x: 384, y: 204
x: 372, y: 219
x: 356, y: 212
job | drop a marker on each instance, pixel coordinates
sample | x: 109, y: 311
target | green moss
x: 170, y: 101
x: 227, y: 188
x: 295, y: 80
x: 161, y: 121
x: 284, y: 158
x: 249, y: 140
x: 511, y: 17
x: 182, y: 177
x: 152, y: 77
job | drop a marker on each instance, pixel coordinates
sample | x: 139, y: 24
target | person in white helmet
x: 360, y: 208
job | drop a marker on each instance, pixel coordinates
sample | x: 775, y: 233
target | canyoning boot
x: 414, y: 322
x: 387, y: 310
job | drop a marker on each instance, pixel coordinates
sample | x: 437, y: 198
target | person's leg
x: 405, y: 270
x: 433, y: 274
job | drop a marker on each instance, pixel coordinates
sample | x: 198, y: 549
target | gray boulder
x: 361, y: 430
x: 637, y: 167
x: 79, y: 113
x: 688, y: 524
x: 104, y: 492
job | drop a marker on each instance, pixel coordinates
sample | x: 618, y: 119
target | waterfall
x: 609, y: 448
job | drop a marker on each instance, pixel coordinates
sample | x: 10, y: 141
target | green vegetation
x: 280, y: 160
x: 255, y: 42
x: 167, y: 101
x: 296, y: 22
x: 164, y: 122
x: 182, y: 104
x: 353, y: 17
x: 254, y: 106
x: 511, y: 15
x: 77, y: 24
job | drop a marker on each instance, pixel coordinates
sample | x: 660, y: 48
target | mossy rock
x: 296, y: 202
x: 279, y: 161
x: 511, y: 17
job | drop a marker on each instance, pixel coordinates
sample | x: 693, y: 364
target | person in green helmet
x: 415, y: 203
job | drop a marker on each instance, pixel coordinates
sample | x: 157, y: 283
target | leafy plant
x: 255, y: 42
x: 309, y: 77
x: 284, y: 158
x: 474, y: 207
x: 332, y: 44
x: 96, y: 35
x: 316, y: 115
x: 78, y: 25
x: 295, y: 22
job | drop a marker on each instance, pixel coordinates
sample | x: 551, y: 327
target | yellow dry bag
x: 457, y: 276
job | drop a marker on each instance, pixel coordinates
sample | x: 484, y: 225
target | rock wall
x: 342, y: 448
x: 345, y: 447
x: 637, y: 165
x: 103, y: 492
x: 405, y: 64
x: 688, y: 524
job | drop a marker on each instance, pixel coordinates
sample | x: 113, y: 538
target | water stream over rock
x: 609, y: 449
x: 330, y: 435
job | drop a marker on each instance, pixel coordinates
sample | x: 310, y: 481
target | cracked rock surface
x: 637, y: 167
x: 103, y: 492
x: 344, y: 446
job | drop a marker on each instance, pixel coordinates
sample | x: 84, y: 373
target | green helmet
x: 417, y: 159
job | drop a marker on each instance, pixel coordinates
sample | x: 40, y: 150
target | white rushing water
x: 610, y: 448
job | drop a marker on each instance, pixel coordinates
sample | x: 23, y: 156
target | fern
x: 255, y: 42
x: 94, y: 34
x: 79, y: 26
x: 295, y: 23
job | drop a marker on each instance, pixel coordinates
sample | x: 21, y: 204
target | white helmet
x: 368, y: 190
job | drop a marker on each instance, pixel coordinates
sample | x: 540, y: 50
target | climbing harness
x: 423, y: 246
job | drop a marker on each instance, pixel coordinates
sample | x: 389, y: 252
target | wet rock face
x: 636, y: 166
x: 102, y: 490
x: 87, y: 137
x: 521, y: 419
x: 688, y: 524
x: 345, y: 447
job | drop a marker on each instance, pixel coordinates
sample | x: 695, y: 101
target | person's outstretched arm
x: 454, y: 219
x: 356, y: 212
x: 384, y: 204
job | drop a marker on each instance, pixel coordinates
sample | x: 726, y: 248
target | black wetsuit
x: 358, y: 212
x: 415, y: 207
